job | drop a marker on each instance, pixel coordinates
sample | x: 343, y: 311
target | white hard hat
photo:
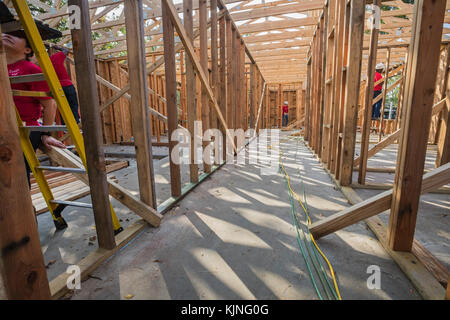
x: 285, y: 102
x: 379, y: 66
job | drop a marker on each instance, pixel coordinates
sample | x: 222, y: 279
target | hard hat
x: 379, y: 66
x: 285, y: 102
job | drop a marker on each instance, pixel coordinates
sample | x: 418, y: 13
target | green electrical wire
x: 300, y: 245
x: 311, y: 249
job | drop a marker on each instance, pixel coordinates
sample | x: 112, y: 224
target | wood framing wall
x: 340, y: 86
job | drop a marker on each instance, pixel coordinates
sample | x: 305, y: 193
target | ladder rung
x: 27, y: 78
x: 45, y: 128
x: 72, y: 203
x: 62, y: 169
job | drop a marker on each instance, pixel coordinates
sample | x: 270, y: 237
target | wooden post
x: 308, y: 101
x: 190, y: 90
x: 139, y: 100
x: 223, y: 79
x: 21, y: 262
x: 352, y: 92
x: 171, y: 97
x: 230, y: 74
x: 338, y: 63
x: 279, y: 105
x: 252, y: 94
x: 237, y: 81
x: 367, y: 117
x: 424, y: 55
x: 322, y: 66
x: 385, y: 84
x: 443, y: 141
x: 345, y: 12
x: 243, y: 87
x: 204, y: 63
x: 88, y: 98
x: 199, y: 69
x: 214, y: 61
x: 401, y: 93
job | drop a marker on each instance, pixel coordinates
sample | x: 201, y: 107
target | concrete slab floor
x: 64, y: 248
x: 233, y: 238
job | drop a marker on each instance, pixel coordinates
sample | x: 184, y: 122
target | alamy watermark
x: 73, y: 281
x: 263, y: 149
x: 374, y: 280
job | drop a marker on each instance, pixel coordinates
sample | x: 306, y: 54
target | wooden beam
x: 368, y: 101
x: 171, y: 96
x: 200, y: 71
x: 204, y: 64
x: 139, y: 100
x: 230, y: 74
x: 375, y: 205
x: 385, y: 91
x: 21, y: 262
x: 95, y: 159
x: 443, y: 155
x: 190, y: 90
x: 424, y: 53
x: 223, y: 79
x: 352, y: 90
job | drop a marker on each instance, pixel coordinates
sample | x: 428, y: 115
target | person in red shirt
x: 18, y: 52
x: 285, y: 114
x: 58, y: 59
x: 377, y: 90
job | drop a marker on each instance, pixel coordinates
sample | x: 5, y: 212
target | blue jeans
x: 376, y: 108
x: 285, y: 119
x: 72, y: 99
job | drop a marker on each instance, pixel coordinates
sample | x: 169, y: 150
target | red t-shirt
x: 29, y: 107
x: 378, y: 77
x: 58, y: 63
x: 285, y: 109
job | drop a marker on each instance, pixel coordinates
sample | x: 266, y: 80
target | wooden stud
x: 200, y: 71
x: 424, y: 53
x: 308, y: 102
x: 95, y: 159
x: 214, y: 61
x: 223, y: 79
x: 368, y: 102
x: 352, y: 90
x: 21, y: 262
x: 385, y: 91
x: 139, y: 100
x: 204, y: 63
x: 230, y: 74
x: 190, y: 90
x: 237, y: 81
x: 171, y: 97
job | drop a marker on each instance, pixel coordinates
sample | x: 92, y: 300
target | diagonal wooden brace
x: 375, y: 205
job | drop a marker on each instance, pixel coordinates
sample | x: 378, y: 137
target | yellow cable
x: 309, y: 223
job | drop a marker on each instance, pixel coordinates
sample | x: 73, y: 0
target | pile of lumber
x: 65, y: 186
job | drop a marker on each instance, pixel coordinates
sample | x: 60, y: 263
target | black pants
x: 35, y: 138
x: 71, y: 95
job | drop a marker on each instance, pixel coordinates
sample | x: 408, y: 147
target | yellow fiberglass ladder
x: 34, y: 38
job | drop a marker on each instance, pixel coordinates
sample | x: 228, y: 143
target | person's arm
x: 48, y: 118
